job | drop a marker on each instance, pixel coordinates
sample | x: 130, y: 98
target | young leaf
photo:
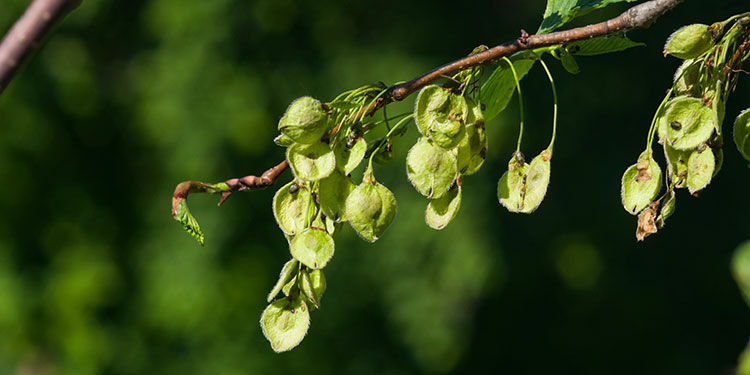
x: 183, y: 215
x: 497, y: 91
x: 430, y: 168
x: 640, y: 184
x: 305, y: 120
x: 291, y: 206
x: 311, y: 162
x: 569, y: 63
x: 285, y: 276
x: 559, y: 12
x: 700, y: 169
x: 690, y: 123
x: 441, y: 211
x: 371, y: 208
x: 332, y: 193
x: 601, y: 45
x: 285, y: 323
x: 313, y: 247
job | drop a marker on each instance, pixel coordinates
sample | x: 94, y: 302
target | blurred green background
x: 128, y: 98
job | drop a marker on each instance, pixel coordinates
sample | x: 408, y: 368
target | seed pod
x: 306, y: 287
x: 510, y: 187
x: 305, y: 120
x: 348, y: 158
x: 472, y: 150
x: 689, y: 42
x: 741, y: 269
x: 287, y: 274
x: 441, y: 211
x: 677, y: 165
x: 371, y: 208
x: 640, y: 184
x: 430, y: 168
x: 700, y: 169
x: 435, y: 105
x: 311, y: 162
x: 742, y: 133
x: 285, y: 323
x: 668, y: 206
x: 318, y: 283
x: 447, y: 134
x: 332, y: 193
x: 686, y: 78
x: 283, y: 140
x: 661, y: 119
x: 313, y: 247
x: 690, y: 123
x: 290, y: 208
x: 523, y: 187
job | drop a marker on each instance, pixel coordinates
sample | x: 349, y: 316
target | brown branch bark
x: 639, y: 16
x: 27, y: 33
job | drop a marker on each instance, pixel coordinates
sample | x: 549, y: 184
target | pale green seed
x: 701, y: 167
x: 430, y: 168
x: 689, y: 42
x: 690, y: 123
x: 332, y: 193
x: 441, y: 211
x: 313, y: 247
x: 311, y: 162
x: 288, y: 272
x: 347, y: 159
x: 305, y: 120
x: 742, y: 133
x: 285, y: 323
x: 640, y: 189
x: 291, y: 209
x: 371, y: 209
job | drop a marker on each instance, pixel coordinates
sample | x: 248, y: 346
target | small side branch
x: 227, y: 187
x: 27, y: 33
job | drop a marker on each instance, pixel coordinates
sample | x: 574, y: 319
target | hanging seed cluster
x: 688, y: 123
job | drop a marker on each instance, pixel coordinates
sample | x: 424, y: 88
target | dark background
x: 128, y: 98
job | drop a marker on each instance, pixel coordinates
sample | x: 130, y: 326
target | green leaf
x: 285, y: 323
x: 430, y: 168
x: 601, y: 45
x: 742, y: 133
x: 332, y: 193
x: 313, y: 247
x: 701, y: 167
x: 441, y: 211
x: 291, y: 207
x: 690, y: 123
x: 497, y: 91
x: 641, y: 183
x: 183, y: 215
x: 559, y: 12
x: 288, y: 272
x: 371, y: 208
x: 569, y: 63
x: 311, y: 162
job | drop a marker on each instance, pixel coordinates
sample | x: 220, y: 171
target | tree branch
x: 26, y: 34
x: 639, y: 16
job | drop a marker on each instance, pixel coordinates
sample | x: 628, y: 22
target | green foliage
x: 498, y: 89
x: 559, y: 12
x: 188, y: 222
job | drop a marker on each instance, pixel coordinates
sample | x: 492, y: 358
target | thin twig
x: 27, y: 33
